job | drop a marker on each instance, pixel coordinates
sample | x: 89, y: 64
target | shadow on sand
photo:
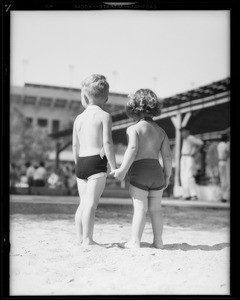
x: 183, y: 246
x: 187, y: 247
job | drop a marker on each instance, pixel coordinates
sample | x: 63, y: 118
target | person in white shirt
x: 223, y: 163
x: 190, y: 145
x: 40, y: 175
x: 30, y: 170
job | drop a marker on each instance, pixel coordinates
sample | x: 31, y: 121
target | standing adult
x: 40, y: 175
x: 223, y: 167
x: 30, y: 170
x: 190, y: 146
x: 228, y: 165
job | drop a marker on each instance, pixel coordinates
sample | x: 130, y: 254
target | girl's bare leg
x: 155, y: 198
x: 140, y: 205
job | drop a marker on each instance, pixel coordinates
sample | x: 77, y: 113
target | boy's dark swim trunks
x: 89, y: 165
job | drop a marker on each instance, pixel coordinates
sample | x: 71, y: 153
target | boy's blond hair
x: 96, y: 87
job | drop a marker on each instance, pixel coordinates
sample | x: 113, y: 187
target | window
x: 60, y: 102
x: 29, y: 121
x: 55, y: 126
x: 16, y: 98
x: 44, y: 101
x: 42, y: 122
x: 75, y: 105
x: 30, y: 100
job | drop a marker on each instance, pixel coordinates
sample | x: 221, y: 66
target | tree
x: 27, y: 142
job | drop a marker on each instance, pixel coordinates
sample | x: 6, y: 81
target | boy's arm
x: 167, y: 158
x: 75, y: 143
x: 108, y: 142
x: 131, y: 151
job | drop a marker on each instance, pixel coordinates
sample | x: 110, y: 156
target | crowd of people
x: 188, y: 170
x: 42, y: 175
x: 46, y: 175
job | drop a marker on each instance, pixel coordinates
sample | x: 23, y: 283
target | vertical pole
x: 177, y: 123
x: 177, y: 156
x: 57, y: 155
x: 203, y: 160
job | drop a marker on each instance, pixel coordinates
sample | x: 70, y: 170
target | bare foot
x: 79, y: 241
x: 158, y: 244
x: 132, y: 245
x: 89, y: 242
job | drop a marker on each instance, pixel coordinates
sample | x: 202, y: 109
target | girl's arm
x: 129, y: 155
x: 75, y: 143
x: 108, y: 142
x: 167, y: 159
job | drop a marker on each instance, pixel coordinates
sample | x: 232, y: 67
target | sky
x: 167, y: 51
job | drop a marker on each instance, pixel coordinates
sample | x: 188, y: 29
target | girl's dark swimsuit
x: 87, y: 166
x: 146, y: 174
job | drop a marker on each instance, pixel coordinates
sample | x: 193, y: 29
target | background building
x: 55, y: 108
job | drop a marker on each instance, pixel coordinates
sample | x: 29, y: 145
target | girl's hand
x: 118, y: 174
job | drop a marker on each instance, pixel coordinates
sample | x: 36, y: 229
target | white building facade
x: 55, y: 108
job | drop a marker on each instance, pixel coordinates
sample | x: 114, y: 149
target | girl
x: 146, y: 141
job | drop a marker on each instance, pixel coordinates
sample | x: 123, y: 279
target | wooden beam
x: 60, y: 149
x: 177, y: 122
x: 57, y: 154
x: 186, y: 119
x: 171, y: 111
x: 183, y: 108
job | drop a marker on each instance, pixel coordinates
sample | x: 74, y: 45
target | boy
x: 92, y: 137
x: 146, y: 140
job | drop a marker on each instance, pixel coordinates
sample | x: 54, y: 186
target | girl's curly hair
x: 143, y: 102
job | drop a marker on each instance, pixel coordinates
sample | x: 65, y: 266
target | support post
x: 177, y: 124
x: 186, y: 119
x: 203, y: 160
x: 57, y: 155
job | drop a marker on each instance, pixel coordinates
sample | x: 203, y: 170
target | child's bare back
x: 150, y: 139
x: 89, y: 127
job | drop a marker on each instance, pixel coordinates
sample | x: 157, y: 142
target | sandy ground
x: 44, y: 259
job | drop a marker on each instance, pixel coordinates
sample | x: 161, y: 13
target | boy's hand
x: 118, y: 174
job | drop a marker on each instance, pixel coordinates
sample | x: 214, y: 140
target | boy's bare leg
x: 155, y: 210
x: 94, y: 191
x: 140, y: 205
x: 82, y: 185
